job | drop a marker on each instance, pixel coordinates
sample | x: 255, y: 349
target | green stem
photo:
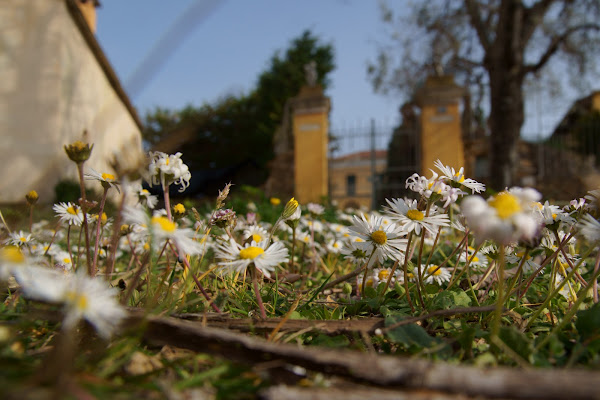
x: 98, y: 226
x: 84, y: 210
x: 499, y: 296
x: 261, y: 306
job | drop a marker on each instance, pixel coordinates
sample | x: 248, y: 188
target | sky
x: 230, y: 42
x: 173, y: 53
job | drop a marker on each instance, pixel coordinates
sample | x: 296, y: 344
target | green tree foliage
x: 239, y: 129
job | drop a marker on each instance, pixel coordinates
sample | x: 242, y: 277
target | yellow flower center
x: 460, y: 177
x: 78, y: 145
x: 434, y: 270
x: 12, y: 254
x: 164, y: 224
x: 78, y: 300
x: 256, y: 237
x: 275, y: 201
x: 67, y: 260
x: 23, y: 239
x: 475, y: 259
x: 145, y: 191
x: 108, y: 177
x: 72, y: 210
x: 167, y: 161
x: 415, y: 215
x: 379, y: 237
x: 146, y: 246
x: 383, y: 274
x: 250, y: 253
x: 506, y: 205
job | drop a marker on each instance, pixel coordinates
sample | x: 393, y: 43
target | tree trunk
x: 504, y: 63
x: 506, y: 120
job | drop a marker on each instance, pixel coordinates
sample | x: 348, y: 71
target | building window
x: 350, y: 185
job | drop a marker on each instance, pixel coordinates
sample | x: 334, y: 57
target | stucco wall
x: 52, y: 88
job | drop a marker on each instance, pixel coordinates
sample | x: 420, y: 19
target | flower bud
x: 290, y: 208
x: 32, y: 197
x: 78, y: 151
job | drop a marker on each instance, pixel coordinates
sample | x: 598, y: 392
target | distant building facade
x: 351, y: 178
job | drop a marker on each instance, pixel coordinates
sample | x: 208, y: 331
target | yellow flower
x: 275, y: 201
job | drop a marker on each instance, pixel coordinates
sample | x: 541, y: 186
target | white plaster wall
x: 51, y: 89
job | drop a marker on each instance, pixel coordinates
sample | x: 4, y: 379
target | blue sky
x: 228, y: 48
x: 229, y: 42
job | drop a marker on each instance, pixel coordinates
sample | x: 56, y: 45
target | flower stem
x: 85, y: 221
x: 186, y: 263
x: 261, y: 306
x: 499, y: 296
x: 98, y: 225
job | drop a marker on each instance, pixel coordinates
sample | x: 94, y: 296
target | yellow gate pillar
x: 311, y: 127
x: 441, y: 130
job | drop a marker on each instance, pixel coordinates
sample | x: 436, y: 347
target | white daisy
x: 589, y: 227
x: 334, y: 246
x: 451, y: 175
x: 20, y: 239
x: 236, y: 258
x: 437, y: 274
x: 69, y: 213
x: 162, y: 229
x: 506, y: 217
x: 11, y: 258
x: 107, y: 180
x: 411, y: 219
x: 167, y: 169
x: 255, y: 233
x: 63, y: 259
x: 147, y: 199
x: 315, y: 208
x: 379, y: 241
x: 83, y: 297
x: 353, y: 252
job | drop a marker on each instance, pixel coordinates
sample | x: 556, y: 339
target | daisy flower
x: 235, y: 258
x: 63, y: 259
x: 436, y: 274
x: 506, y: 217
x: 589, y: 227
x: 147, y: 199
x: 315, y: 208
x: 353, y: 252
x: 106, y: 180
x: 256, y: 233
x: 20, y: 239
x: 379, y: 241
x: 458, y: 177
x: 407, y: 215
x: 69, y: 213
x: 167, y: 169
x: 334, y: 246
x: 11, y: 258
x: 83, y: 297
x: 162, y: 229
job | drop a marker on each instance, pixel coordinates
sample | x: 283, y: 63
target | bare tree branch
x: 533, y: 17
x: 474, y: 11
x: 555, y: 45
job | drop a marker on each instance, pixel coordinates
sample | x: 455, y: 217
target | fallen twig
x: 377, y: 370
